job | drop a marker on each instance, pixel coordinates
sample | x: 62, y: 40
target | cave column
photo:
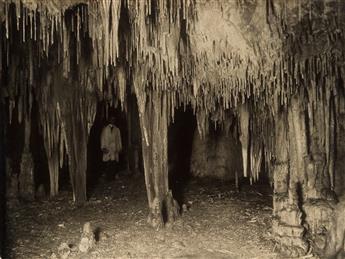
x: 78, y: 116
x: 154, y: 126
x: 26, y: 175
x: 77, y: 168
x: 51, y: 134
x: 77, y: 156
x: 53, y: 165
x: 319, y: 197
x: 309, y: 202
x: 287, y: 222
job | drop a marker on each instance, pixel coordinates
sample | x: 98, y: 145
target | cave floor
x: 219, y: 223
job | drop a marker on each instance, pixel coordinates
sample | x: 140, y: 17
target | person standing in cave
x: 111, y: 145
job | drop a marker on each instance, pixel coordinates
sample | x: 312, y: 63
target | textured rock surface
x: 64, y: 250
x: 87, y: 240
x: 335, y: 242
x: 340, y: 163
x: 216, y: 156
x: 26, y: 177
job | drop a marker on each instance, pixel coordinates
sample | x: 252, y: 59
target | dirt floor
x: 218, y: 223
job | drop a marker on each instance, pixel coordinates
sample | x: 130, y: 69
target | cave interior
x: 242, y: 94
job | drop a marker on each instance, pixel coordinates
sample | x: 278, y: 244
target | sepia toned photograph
x: 210, y: 129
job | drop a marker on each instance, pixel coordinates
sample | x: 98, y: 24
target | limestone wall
x: 218, y: 155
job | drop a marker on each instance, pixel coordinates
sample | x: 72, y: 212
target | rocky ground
x: 217, y: 222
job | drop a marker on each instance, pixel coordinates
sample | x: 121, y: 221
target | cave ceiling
x: 206, y: 53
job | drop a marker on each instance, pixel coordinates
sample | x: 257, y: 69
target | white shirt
x: 111, y: 143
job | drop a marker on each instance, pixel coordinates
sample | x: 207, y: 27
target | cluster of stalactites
x: 154, y: 35
x: 256, y: 135
x: 322, y: 111
x: 54, y: 117
x: 156, y: 48
x: 47, y: 25
x: 164, y: 60
x: 213, y: 77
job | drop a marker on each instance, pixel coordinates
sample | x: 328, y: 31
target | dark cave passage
x: 216, y: 159
x: 180, y: 143
x: 130, y: 161
x: 41, y: 177
x: 98, y: 168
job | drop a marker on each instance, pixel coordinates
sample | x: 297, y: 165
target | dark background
x: 2, y: 179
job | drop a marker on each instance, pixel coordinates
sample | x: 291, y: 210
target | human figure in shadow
x: 111, y: 148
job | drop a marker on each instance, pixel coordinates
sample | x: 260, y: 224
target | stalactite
x: 255, y: 161
x: 26, y: 175
x: 10, y: 109
x: 121, y: 85
x: 244, y: 136
x: 103, y: 34
x: 76, y: 139
x: 53, y: 165
x: 203, y: 123
x: 50, y: 119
